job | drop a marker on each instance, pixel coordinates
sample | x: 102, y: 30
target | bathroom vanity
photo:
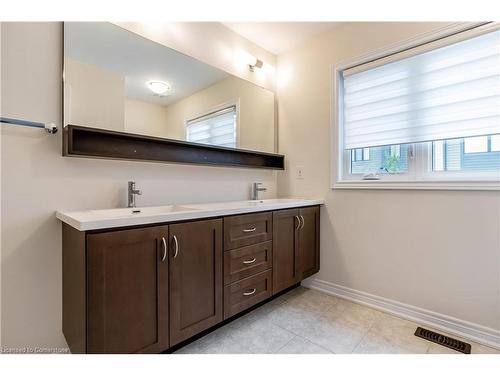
x: 142, y: 282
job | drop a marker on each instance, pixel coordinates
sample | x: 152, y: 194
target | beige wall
x: 437, y: 250
x: 93, y: 96
x: 256, y: 111
x: 37, y: 180
x: 146, y: 118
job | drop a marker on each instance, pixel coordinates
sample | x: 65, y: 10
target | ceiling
x: 279, y: 37
x: 139, y: 60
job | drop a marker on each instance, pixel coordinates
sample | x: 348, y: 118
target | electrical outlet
x: 300, y: 173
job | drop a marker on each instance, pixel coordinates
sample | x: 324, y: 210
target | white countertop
x: 122, y: 217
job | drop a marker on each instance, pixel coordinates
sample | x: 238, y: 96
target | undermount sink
x: 138, y: 211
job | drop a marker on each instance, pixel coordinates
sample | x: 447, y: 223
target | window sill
x: 418, y: 185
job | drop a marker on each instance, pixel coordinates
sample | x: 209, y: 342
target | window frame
x: 420, y: 173
x: 220, y: 107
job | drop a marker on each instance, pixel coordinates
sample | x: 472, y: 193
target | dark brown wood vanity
x: 146, y: 289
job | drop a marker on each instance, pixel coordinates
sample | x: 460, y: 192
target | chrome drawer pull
x: 176, y: 246
x: 249, y: 261
x: 250, y: 292
x: 249, y: 230
x: 298, y: 222
x: 164, y: 249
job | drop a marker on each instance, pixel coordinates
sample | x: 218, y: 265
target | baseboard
x: 469, y: 330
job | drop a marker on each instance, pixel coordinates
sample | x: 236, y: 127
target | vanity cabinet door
x: 195, y: 278
x: 127, y: 291
x: 286, y: 270
x: 309, y: 241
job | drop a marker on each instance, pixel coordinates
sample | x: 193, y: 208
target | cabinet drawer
x: 244, y: 230
x: 243, y: 294
x: 247, y: 261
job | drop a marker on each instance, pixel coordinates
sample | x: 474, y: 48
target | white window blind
x: 448, y: 92
x: 216, y: 128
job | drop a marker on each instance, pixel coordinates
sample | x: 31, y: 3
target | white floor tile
x: 299, y: 345
x: 305, y: 321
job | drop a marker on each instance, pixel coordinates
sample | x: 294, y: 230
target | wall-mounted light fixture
x: 257, y: 64
x: 251, y: 61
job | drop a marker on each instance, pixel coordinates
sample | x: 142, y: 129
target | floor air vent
x: 440, y: 339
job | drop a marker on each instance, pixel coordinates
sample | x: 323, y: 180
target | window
x: 395, y: 151
x: 216, y: 128
x: 468, y: 154
x: 475, y: 144
x: 495, y: 143
x: 429, y: 113
x: 361, y: 154
x: 438, y: 155
x: 379, y: 160
x: 366, y: 153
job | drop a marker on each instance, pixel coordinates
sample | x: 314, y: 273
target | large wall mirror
x: 117, y: 80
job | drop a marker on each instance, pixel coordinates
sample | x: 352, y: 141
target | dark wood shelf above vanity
x: 80, y: 141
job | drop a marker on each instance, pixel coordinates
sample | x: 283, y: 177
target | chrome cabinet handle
x: 164, y: 249
x: 176, y: 246
x: 249, y: 230
x: 298, y: 222
x: 250, y: 292
x: 249, y: 261
x: 303, y: 221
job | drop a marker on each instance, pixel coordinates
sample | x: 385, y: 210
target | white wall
x: 437, y: 250
x: 37, y: 180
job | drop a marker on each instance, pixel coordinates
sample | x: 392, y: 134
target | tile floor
x: 308, y: 321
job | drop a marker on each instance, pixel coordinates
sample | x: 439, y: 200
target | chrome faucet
x: 256, y: 189
x: 132, y: 192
